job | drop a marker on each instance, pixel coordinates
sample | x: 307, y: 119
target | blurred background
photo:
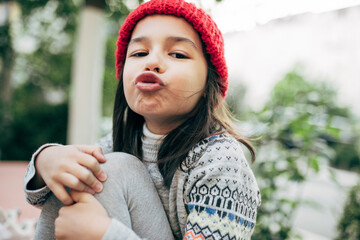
x: 294, y: 70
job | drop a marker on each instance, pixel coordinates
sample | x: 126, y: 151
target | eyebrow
x: 182, y: 39
x: 138, y: 39
x: 170, y: 39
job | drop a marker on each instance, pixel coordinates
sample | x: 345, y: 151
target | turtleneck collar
x: 150, y: 144
x: 149, y: 136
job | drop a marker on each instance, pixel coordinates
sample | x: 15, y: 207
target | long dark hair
x: 210, y: 117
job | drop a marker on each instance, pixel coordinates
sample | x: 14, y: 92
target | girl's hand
x: 76, y: 167
x: 86, y: 219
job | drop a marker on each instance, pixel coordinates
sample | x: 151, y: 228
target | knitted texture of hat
x: 201, y: 22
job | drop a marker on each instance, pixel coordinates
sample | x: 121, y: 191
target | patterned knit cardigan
x: 215, y: 197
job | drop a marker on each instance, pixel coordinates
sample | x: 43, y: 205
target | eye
x: 179, y: 55
x: 139, y: 54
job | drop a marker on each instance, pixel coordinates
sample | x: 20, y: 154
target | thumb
x: 81, y: 197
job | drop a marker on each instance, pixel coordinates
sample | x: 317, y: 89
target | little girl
x: 174, y: 168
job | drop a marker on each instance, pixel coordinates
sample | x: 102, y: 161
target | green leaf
x: 314, y: 164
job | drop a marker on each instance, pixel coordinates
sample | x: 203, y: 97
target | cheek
x: 198, y: 77
x: 127, y: 82
x: 129, y: 92
x: 202, y: 77
x: 192, y: 81
x: 202, y: 82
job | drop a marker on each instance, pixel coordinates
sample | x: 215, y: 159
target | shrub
x: 349, y: 224
x: 302, y: 129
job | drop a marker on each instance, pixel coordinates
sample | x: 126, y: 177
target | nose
x: 154, y: 63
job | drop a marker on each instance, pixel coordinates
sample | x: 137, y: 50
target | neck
x: 162, y: 127
x: 150, y: 135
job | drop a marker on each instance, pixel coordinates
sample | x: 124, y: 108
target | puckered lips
x: 148, y: 82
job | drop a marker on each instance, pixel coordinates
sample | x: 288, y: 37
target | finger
x: 98, y: 154
x: 86, y: 177
x: 93, y: 150
x: 61, y: 194
x: 73, y: 182
x: 81, y: 196
x: 93, y: 165
x: 58, y: 230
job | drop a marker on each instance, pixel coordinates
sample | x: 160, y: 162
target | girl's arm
x: 37, y: 196
x: 222, y: 195
x: 37, y: 190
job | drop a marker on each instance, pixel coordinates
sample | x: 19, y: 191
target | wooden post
x: 87, y: 75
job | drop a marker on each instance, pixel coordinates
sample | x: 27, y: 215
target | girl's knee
x: 126, y: 174
x: 122, y: 164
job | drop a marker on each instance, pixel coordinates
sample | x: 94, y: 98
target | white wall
x: 327, y: 45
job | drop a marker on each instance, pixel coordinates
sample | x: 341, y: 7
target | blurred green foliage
x: 35, y: 111
x: 302, y: 129
x: 349, y: 224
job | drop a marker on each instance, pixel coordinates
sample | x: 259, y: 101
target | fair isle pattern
x: 202, y: 224
x: 221, y: 192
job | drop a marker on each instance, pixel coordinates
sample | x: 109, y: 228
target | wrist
x: 103, y: 224
x: 37, y: 181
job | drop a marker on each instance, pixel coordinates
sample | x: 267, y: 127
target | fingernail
x: 102, y: 176
x: 98, y: 187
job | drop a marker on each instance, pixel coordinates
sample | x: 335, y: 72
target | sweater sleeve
x: 37, y: 197
x: 118, y: 231
x: 221, y: 193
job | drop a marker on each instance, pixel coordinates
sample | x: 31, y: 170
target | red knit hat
x: 201, y: 22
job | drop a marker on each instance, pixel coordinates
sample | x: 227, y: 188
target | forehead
x: 160, y: 25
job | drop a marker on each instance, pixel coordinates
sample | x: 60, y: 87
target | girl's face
x: 165, y: 71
